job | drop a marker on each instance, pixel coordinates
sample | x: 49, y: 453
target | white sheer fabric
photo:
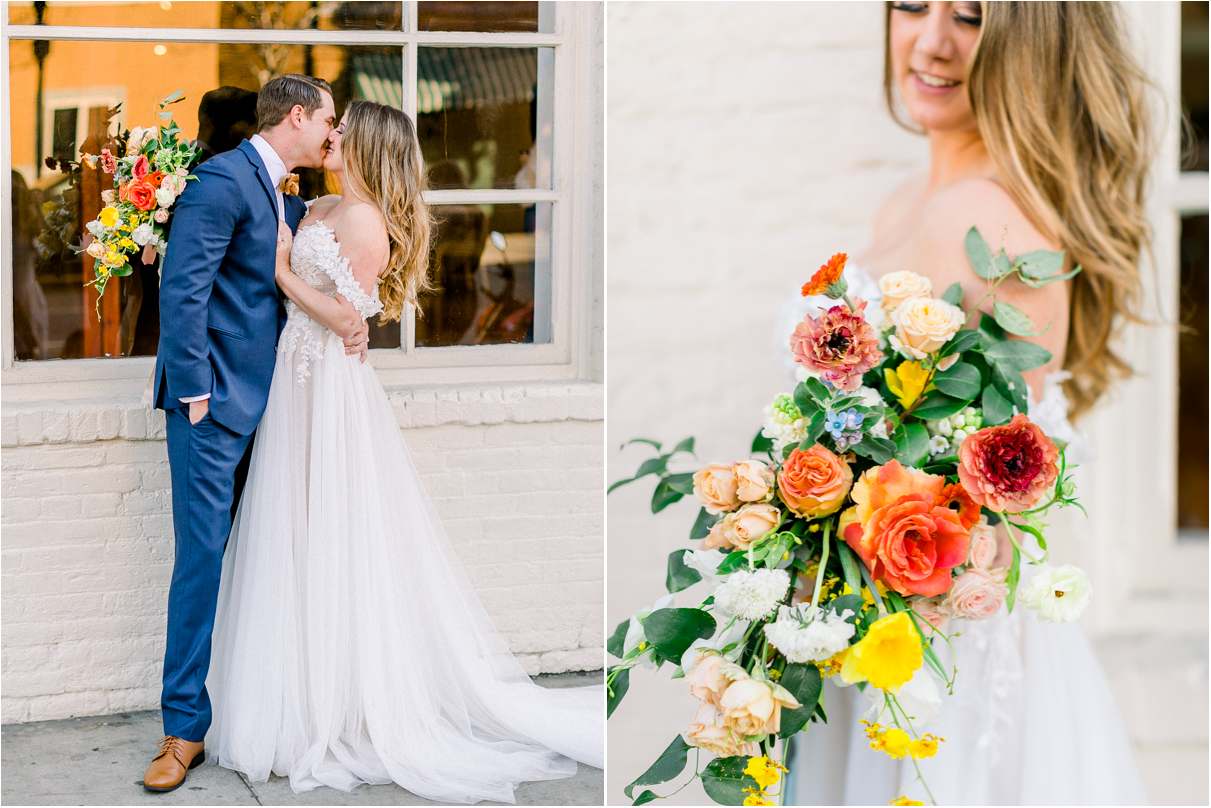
x: 349, y: 645
x: 1032, y: 720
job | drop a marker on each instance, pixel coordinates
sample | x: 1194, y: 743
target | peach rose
x: 903, y: 531
x: 1008, y: 468
x: 930, y: 611
x: 715, y: 486
x: 96, y: 249
x: 923, y: 325
x: 750, y: 524
x: 750, y: 707
x: 900, y: 286
x: 708, y: 679
x: 983, y: 544
x: 976, y: 595
x: 708, y: 731
x: 814, y: 483
x: 715, y: 538
x: 754, y: 481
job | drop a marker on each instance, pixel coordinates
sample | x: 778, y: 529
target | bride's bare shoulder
x: 947, y: 215
x: 896, y: 210
x: 364, y: 239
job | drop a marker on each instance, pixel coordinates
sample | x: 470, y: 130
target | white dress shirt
x: 277, y: 170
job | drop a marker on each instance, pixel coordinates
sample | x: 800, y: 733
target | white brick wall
x: 747, y: 143
x: 85, y: 512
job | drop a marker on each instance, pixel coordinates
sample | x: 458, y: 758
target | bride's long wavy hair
x: 1062, y: 107
x: 381, y: 154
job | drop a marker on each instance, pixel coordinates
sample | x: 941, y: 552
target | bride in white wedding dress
x: 349, y: 646
x: 1039, y: 136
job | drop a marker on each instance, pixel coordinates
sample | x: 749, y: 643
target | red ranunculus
x: 839, y: 345
x: 141, y: 167
x: 1008, y: 468
x: 108, y: 164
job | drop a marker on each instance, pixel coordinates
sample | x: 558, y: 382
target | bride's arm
x: 334, y: 313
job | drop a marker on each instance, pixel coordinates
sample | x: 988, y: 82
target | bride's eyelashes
x: 917, y: 8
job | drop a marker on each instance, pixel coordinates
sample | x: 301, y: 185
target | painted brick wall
x: 515, y: 473
x: 747, y: 143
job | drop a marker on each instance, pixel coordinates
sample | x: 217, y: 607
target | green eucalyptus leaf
x: 618, y: 689
x: 664, y: 495
x: 1038, y: 284
x: 672, y: 630
x: 1001, y: 265
x: 1039, y: 263
x: 962, y: 341
x: 815, y: 428
x: 670, y: 764
x: 953, y: 294
x: 996, y: 409
x: 1013, y: 320
x: 615, y: 646
x: 805, y: 684
x: 1010, y: 384
x: 818, y: 390
x: 912, y: 444
x: 1019, y: 354
x: 979, y: 254
x: 960, y: 380
x: 724, y: 780
x: 680, y: 576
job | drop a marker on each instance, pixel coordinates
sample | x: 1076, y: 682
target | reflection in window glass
x: 487, y: 112
x: 1192, y: 418
x: 328, y: 16
x: 1194, y: 82
x: 53, y: 313
x: 491, y: 273
x: 458, y: 15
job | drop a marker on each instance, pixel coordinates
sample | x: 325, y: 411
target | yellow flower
x: 887, y: 656
x: 755, y: 798
x: 892, y: 741
x: 866, y: 596
x: 833, y: 664
x: 902, y: 800
x: 926, y: 747
x: 127, y: 243
x: 49, y: 207
x: 763, y: 771
x: 907, y: 382
x: 109, y: 216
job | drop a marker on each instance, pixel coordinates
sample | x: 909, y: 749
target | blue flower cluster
x: 845, y: 427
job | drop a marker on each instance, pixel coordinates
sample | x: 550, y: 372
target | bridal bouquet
x: 150, y: 175
x: 867, y: 522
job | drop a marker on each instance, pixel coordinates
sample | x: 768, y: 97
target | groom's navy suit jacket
x: 220, y: 312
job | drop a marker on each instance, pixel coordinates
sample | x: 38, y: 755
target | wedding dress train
x: 349, y: 645
x: 1032, y: 720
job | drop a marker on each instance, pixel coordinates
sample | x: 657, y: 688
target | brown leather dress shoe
x: 177, y: 756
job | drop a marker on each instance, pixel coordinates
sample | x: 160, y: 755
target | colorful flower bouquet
x: 870, y: 521
x: 150, y: 176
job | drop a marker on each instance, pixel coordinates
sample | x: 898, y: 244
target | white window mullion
x: 407, y: 320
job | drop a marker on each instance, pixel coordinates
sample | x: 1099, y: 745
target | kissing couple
x: 320, y: 625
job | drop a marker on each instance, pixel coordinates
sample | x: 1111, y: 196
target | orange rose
x: 814, y: 483
x: 140, y: 194
x: 903, y: 531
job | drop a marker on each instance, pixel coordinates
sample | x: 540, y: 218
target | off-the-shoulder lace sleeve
x: 347, y: 285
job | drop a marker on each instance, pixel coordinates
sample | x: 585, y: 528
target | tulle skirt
x: 349, y: 645
x: 1032, y: 722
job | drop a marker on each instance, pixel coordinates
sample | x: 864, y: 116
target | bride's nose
x: 935, y: 40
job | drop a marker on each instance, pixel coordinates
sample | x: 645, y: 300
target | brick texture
x: 515, y: 472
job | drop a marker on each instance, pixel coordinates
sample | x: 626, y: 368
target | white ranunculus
x: 142, y: 234
x: 752, y: 594
x: 1058, y: 594
x: 804, y: 634
x: 165, y: 197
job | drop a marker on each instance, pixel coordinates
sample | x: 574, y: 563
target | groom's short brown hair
x: 282, y: 93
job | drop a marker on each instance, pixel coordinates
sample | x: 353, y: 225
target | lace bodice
x: 1050, y: 413
x: 315, y: 257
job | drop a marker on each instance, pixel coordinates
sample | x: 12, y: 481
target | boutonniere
x: 290, y: 184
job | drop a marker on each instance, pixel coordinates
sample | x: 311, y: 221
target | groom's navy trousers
x: 220, y: 316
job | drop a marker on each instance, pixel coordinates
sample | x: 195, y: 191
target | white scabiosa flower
x: 804, y: 634
x: 752, y: 594
x: 1058, y: 594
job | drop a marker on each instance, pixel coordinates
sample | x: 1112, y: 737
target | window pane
x: 491, y: 273
x: 60, y: 105
x: 484, y: 116
x: 351, y: 16
x: 456, y: 15
x: 1194, y: 82
x: 1192, y: 415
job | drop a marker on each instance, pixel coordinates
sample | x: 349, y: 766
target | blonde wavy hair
x: 1062, y: 107
x: 380, y: 153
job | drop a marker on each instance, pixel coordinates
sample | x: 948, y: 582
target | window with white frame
x: 489, y: 84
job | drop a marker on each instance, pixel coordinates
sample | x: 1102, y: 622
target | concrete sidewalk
x: 101, y: 760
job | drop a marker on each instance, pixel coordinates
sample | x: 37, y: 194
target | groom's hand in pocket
x: 359, y: 342
x: 198, y: 410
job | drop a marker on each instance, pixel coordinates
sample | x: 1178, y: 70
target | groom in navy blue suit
x: 220, y: 315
